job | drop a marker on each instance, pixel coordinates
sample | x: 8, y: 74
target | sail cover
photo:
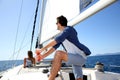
x: 54, y: 8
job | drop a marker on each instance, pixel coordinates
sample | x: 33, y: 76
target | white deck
x: 35, y: 73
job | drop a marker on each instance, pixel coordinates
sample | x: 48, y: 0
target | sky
x: 100, y: 32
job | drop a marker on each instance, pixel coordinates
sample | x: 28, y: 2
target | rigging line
x: 21, y: 46
x: 18, y: 51
x: 24, y: 38
x: 64, y: 47
x: 43, y: 6
x: 17, y: 29
x: 28, y: 26
x: 16, y: 34
x: 15, y: 61
x: 34, y: 24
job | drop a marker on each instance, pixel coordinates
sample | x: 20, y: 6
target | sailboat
x: 50, y: 9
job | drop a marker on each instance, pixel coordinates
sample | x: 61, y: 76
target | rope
x: 14, y: 51
x: 18, y: 51
x: 12, y: 56
x: 34, y: 24
x: 17, y: 28
x: 21, y: 46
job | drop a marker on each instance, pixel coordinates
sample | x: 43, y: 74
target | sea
x: 111, y: 63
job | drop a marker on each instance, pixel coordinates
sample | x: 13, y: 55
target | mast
x: 34, y: 24
x: 43, y: 5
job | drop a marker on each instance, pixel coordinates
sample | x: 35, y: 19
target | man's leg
x: 77, y: 61
x: 59, y: 56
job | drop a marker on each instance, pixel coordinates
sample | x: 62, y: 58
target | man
x: 75, y: 53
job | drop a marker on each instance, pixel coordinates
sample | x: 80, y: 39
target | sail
x: 53, y: 9
x: 68, y: 8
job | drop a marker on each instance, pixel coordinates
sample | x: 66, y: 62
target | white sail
x: 71, y: 10
x: 55, y: 8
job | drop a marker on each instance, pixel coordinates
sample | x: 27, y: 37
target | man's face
x: 58, y: 25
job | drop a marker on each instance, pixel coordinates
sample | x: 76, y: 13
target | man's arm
x: 51, y: 50
x: 51, y: 44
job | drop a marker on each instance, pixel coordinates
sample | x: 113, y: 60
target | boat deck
x: 41, y: 72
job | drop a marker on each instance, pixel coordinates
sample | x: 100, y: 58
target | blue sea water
x: 111, y: 62
x: 6, y: 64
